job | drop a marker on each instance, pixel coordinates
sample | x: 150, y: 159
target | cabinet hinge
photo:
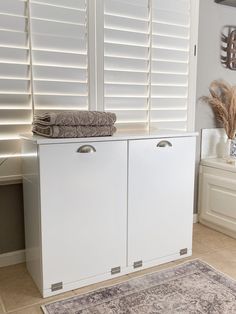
x: 115, y: 270
x: 183, y: 251
x: 138, y: 264
x: 57, y: 286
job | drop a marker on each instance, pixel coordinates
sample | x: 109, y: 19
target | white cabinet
x: 217, y: 197
x: 96, y: 208
x: 160, y: 198
x: 83, y: 209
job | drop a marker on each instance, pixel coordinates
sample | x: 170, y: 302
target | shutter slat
x: 12, y: 55
x: 13, y: 7
x: 56, y: 28
x: 128, y: 9
x: 177, y: 91
x: 170, y: 30
x: 126, y: 90
x: 119, y: 77
x: 124, y: 23
x: 168, y: 115
x: 55, y: 73
x: 169, y: 67
x: 127, y: 51
x: 60, y: 88
x: 126, y: 64
x: 15, y: 116
x: 59, y: 58
x: 13, y: 39
x: 169, y: 42
x: 170, y: 17
x: 53, y: 43
x: 119, y: 103
x: 172, y: 5
x: 12, y: 23
x: 170, y: 125
x: 169, y: 79
x: 72, y: 4
x: 131, y: 116
x: 58, y: 14
x: 125, y: 37
x: 7, y: 86
x: 10, y: 147
x: 170, y: 55
x: 61, y: 102
x: 169, y: 103
x: 14, y: 71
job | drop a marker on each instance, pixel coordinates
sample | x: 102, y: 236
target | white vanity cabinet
x: 217, y: 195
x: 102, y: 207
x: 161, y: 175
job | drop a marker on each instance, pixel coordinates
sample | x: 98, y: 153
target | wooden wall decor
x: 228, y: 56
x: 231, y: 3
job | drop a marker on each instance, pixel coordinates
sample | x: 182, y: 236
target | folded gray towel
x: 70, y: 118
x: 63, y: 131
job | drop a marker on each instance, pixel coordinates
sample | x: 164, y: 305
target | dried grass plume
x: 223, y: 102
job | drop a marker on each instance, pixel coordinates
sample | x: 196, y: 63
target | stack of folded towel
x: 75, y: 124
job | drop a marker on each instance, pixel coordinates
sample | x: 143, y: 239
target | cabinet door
x: 84, y: 209
x: 160, y: 207
x: 218, y: 198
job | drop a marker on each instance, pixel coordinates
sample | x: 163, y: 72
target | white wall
x: 213, y: 17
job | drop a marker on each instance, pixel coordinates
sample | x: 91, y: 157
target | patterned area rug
x: 193, y: 287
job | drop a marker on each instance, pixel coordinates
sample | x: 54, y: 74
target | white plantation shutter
x: 170, y: 63
x: 59, y: 54
x: 147, y: 54
x: 126, y: 61
x: 15, y: 89
x: 131, y: 57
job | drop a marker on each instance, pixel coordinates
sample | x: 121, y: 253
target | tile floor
x: 18, y: 294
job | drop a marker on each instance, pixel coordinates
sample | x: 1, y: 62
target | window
x: 135, y: 58
x: 15, y: 86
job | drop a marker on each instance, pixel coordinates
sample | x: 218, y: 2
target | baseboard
x: 12, y: 258
x: 195, y: 218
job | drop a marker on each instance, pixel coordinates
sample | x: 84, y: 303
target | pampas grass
x: 223, y: 102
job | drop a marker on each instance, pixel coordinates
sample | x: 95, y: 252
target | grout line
x: 2, y: 305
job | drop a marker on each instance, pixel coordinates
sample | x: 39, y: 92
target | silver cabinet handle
x: 164, y: 144
x: 85, y: 149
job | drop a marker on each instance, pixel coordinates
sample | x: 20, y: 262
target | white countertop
x: 219, y: 163
x: 118, y: 136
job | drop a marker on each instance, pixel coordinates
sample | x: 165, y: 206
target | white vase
x: 227, y: 148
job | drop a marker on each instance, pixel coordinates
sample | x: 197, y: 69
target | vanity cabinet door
x: 83, y: 209
x: 160, y: 205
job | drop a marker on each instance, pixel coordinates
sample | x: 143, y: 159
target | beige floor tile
x: 102, y: 284
x: 18, y: 290
x: 206, y: 240
x: 1, y: 308
x: 29, y: 310
x: 224, y: 260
